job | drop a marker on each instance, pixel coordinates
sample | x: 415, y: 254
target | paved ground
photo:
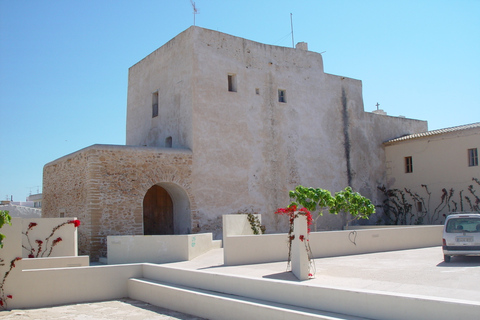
x: 410, y: 272
x: 122, y: 309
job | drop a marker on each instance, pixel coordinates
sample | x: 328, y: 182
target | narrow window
x: 257, y: 91
x: 419, y: 206
x: 472, y: 157
x: 168, y: 142
x: 408, y: 165
x: 282, y: 96
x: 232, y: 83
x: 155, y: 104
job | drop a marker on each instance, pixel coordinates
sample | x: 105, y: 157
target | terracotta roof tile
x: 434, y: 132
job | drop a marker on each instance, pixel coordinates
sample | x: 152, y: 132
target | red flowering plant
x: 38, y: 251
x: 292, y: 213
x: 3, y: 297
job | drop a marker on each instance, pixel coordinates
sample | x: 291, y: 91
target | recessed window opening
x: 408, y: 165
x: 168, y: 142
x: 282, y: 96
x: 257, y: 91
x: 232, y: 83
x: 473, y: 157
x: 155, y: 104
x: 419, y: 206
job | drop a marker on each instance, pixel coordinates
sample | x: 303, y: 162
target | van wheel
x: 446, y: 258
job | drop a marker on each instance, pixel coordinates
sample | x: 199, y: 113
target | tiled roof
x: 435, y: 132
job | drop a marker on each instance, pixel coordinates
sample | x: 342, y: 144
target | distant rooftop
x: 435, y: 132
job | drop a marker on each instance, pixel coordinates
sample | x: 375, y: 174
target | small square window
x: 282, y: 95
x: 408, y: 165
x: 232, y: 83
x: 155, y: 104
x: 473, y: 157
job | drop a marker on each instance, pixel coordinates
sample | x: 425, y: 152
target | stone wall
x: 104, y: 187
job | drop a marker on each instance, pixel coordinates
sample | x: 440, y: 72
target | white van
x: 461, y: 235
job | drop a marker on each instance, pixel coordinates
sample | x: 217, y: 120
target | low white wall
x: 157, y: 249
x: 64, y: 254
x: 47, y: 287
x: 55, y: 262
x: 44, y: 228
x: 16, y: 239
x: 347, y: 242
x: 274, y: 247
x: 237, y: 224
x: 265, y: 248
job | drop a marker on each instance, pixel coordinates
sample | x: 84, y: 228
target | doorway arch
x: 166, y: 210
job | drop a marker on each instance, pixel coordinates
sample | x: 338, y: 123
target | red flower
x: 1, y: 302
x: 39, y: 241
x: 76, y: 223
x: 302, y: 237
x: 31, y: 225
x: 56, y: 241
x: 12, y: 263
x: 9, y: 296
x: 310, y: 275
x: 31, y: 256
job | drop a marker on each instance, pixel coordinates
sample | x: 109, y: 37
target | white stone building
x: 216, y: 125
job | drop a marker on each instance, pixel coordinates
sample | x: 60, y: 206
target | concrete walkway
x: 411, y: 272
x: 419, y: 272
x: 122, y: 309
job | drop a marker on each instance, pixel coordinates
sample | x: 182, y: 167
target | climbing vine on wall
x: 3, y: 297
x: 44, y: 248
x: 404, y: 207
x: 255, y: 224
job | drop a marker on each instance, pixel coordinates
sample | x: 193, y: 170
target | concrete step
x: 215, y: 305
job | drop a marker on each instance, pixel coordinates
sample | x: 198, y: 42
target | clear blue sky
x: 64, y: 64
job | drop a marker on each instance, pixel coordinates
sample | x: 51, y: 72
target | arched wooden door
x: 157, y: 212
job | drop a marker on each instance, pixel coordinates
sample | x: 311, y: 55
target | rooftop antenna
x: 195, y: 10
x: 291, y: 24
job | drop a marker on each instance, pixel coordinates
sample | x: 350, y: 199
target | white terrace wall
x: 158, y: 249
x: 16, y: 238
x: 248, y: 249
x: 64, y: 254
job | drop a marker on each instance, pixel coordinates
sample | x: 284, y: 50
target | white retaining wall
x: 15, y: 237
x: 250, y: 249
x: 158, y: 249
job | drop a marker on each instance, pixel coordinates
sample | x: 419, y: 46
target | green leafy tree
x: 343, y: 201
x: 4, y: 219
x: 353, y: 203
x: 312, y: 199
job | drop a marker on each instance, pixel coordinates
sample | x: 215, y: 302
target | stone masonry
x: 103, y: 186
